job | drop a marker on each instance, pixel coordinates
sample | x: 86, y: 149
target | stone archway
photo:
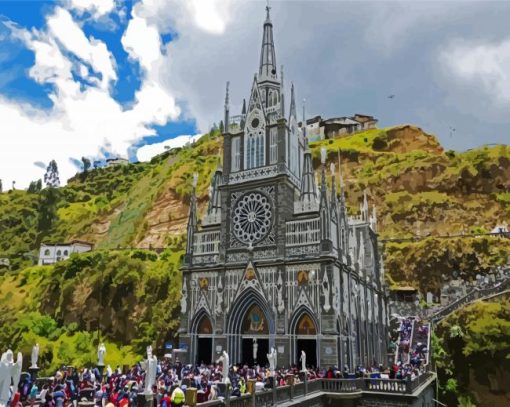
x: 202, y: 331
x: 304, y: 330
x: 250, y: 318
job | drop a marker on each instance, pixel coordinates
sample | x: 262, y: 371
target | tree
x: 35, y: 187
x: 86, y: 164
x: 47, y: 211
x: 222, y: 126
x: 51, y: 177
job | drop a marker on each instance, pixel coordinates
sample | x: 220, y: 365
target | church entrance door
x: 249, y: 348
x: 310, y: 348
x: 204, y: 341
x: 255, y: 337
x: 306, y: 340
x: 204, y: 350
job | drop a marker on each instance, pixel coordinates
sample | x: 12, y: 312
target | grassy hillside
x: 420, y: 191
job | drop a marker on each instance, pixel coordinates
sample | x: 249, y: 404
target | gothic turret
x: 213, y: 216
x: 192, y: 221
x: 323, y: 205
x: 227, y: 110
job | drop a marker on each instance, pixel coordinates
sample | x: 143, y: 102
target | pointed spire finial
x: 324, y: 153
x: 268, y: 8
x: 292, y: 102
x: 226, y: 123
x: 227, y: 95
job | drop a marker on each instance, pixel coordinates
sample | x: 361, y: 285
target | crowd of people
x: 411, y: 348
x: 117, y: 388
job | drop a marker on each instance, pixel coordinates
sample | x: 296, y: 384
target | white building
x: 51, y: 253
x: 111, y: 162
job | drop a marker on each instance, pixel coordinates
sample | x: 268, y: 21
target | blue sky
x: 106, y: 77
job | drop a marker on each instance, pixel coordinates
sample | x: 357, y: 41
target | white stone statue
x: 303, y: 361
x: 35, y: 356
x: 255, y: 349
x: 151, y: 367
x: 279, y: 285
x: 184, y: 298
x: 272, y: 358
x: 16, y: 368
x: 5, y: 380
x: 9, y: 370
x: 109, y: 371
x: 219, y: 298
x: 101, y: 352
x: 225, y: 361
x: 326, y: 292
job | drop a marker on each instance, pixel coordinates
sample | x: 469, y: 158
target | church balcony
x: 235, y: 124
x: 212, y: 219
x: 306, y: 206
x: 206, y: 243
x: 267, y: 171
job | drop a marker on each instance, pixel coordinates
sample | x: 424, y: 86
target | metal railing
x: 286, y: 393
x: 473, y: 295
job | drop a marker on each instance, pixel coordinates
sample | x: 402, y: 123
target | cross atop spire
x: 267, y: 69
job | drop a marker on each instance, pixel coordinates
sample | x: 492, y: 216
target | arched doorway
x: 306, y: 339
x: 204, y: 341
x: 248, y: 308
x: 254, y: 337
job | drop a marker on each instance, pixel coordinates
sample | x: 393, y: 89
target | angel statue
x: 35, y: 356
x: 225, y: 360
x: 9, y: 370
x: 150, y: 366
x: 101, y: 352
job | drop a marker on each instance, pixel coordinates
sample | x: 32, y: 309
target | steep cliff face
x: 418, y: 189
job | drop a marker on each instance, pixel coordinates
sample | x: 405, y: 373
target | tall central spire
x: 267, y: 70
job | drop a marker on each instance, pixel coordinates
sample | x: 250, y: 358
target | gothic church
x: 276, y: 261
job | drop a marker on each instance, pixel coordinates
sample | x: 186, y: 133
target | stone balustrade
x: 324, y: 387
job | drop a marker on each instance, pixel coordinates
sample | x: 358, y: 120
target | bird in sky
x: 391, y: 96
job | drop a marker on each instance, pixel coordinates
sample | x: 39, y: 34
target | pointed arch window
x: 306, y: 326
x: 236, y: 154
x: 273, y: 146
x: 205, y: 327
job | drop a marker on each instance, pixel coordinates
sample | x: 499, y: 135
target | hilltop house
x: 318, y: 128
x: 52, y: 253
x: 110, y: 162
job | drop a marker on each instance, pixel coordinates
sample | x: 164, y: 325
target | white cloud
x: 62, y: 27
x: 482, y: 66
x: 142, y: 41
x: 97, y: 8
x: 146, y: 152
x: 83, y: 119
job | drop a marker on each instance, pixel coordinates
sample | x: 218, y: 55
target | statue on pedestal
x: 35, y: 356
x: 272, y: 358
x: 303, y: 361
x: 150, y: 366
x: 255, y: 350
x: 101, y: 352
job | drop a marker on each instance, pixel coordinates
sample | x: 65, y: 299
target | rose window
x: 252, y: 217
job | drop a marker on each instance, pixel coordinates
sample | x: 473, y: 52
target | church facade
x: 276, y: 261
